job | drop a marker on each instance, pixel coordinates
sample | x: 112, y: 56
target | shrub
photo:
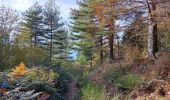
x: 92, y: 92
x: 116, y: 97
x: 133, y: 53
x: 19, y: 70
x: 127, y: 82
x: 122, y: 81
x: 42, y: 74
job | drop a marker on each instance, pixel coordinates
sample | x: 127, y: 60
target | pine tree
x: 55, y: 32
x: 105, y: 12
x: 85, y: 31
x: 60, y: 47
x: 32, y: 25
x: 32, y: 21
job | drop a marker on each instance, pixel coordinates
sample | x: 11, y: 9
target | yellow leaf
x: 19, y: 70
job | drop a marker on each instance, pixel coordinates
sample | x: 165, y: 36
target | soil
x: 72, y: 90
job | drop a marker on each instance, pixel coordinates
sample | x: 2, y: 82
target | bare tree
x: 8, y: 19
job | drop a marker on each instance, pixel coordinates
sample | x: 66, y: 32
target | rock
x: 26, y: 95
x: 31, y: 92
x: 6, y: 84
x: 36, y: 95
x: 18, y: 95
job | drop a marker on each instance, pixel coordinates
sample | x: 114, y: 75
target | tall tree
x: 8, y: 21
x: 55, y: 32
x: 134, y: 34
x: 32, y: 25
x: 105, y: 12
x: 85, y: 31
x: 32, y: 21
x: 152, y: 29
x: 150, y: 9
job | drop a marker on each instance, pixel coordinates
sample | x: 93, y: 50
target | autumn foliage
x: 3, y: 90
x: 19, y: 70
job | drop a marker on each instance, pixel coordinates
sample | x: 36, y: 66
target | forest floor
x: 154, y: 75
x: 72, y: 90
x: 142, y: 79
x: 37, y: 83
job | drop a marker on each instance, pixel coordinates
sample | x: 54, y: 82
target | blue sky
x: 22, y: 5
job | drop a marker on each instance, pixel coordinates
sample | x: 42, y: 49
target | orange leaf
x: 3, y: 90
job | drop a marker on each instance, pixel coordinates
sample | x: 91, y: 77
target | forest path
x: 72, y: 89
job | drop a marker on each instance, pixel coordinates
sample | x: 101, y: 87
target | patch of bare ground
x: 72, y: 90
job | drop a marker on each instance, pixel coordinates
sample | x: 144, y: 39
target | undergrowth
x: 123, y: 80
x: 93, y: 92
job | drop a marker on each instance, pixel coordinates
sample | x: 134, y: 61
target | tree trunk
x: 152, y: 30
x: 118, y: 50
x: 91, y: 55
x: 51, y: 42
x: 111, y: 47
x: 1, y: 51
x: 35, y: 45
x: 31, y: 46
x: 101, y: 50
x: 91, y: 60
x: 111, y: 41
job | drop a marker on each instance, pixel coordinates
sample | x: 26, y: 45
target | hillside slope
x: 153, y: 76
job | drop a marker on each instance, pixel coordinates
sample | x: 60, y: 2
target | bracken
x: 19, y: 70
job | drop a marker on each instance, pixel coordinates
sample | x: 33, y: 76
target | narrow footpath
x: 72, y: 90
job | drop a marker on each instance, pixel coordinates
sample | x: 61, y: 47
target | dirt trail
x: 72, y: 90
